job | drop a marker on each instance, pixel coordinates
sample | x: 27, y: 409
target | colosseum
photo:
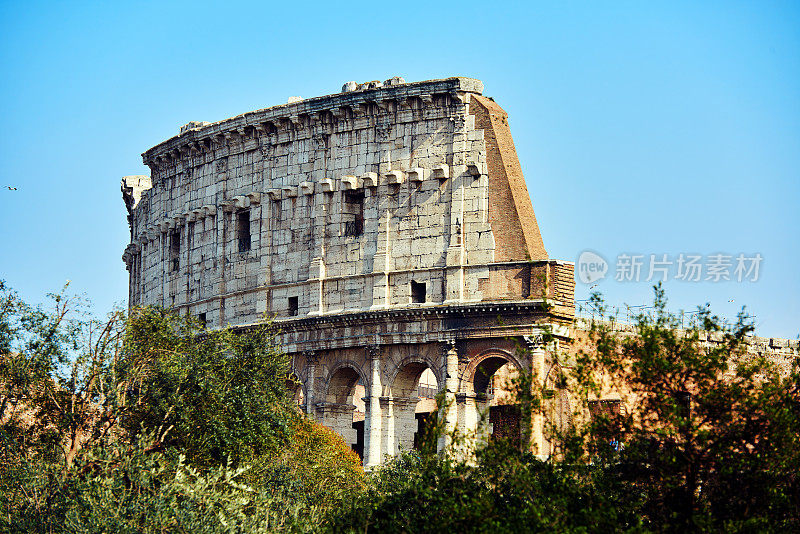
x: 387, y: 230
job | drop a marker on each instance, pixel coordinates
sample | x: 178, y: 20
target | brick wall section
x: 517, y: 235
x: 562, y: 282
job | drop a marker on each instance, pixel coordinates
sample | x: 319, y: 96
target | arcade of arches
x: 379, y: 398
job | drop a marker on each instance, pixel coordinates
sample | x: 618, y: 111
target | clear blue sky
x: 642, y: 127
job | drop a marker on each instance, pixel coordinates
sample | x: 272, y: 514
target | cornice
x: 406, y: 314
x: 308, y: 114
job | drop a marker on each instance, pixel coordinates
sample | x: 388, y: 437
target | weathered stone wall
x: 387, y: 228
x: 350, y: 198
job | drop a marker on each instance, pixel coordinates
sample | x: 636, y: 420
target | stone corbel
x: 474, y: 169
x: 385, y: 106
x: 306, y: 188
x: 198, y: 214
x: 210, y: 210
x: 460, y: 97
x: 228, y: 205
x: 369, y: 179
x: 395, y: 177
x: 289, y: 192
x: 327, y: 185
x: 339, y: 113
x: 296, y: 122
x: 349, y: 183
x: 275, y: 194
x: 417, y: 174
x: 441, y: 172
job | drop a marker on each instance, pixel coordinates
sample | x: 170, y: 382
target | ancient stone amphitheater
x: 386, y: 228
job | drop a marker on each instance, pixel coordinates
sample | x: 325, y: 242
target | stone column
x: 372, y: 419
x: 312, y: 359
x: 449, y: 412
x: 402, y: 425
x: 471, y: 409
x: 536, y: 346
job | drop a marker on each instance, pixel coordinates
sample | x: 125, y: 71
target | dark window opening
x: 293, y: 306
x: 418, y: 292
x: 353, y: 210
x: 175, y: 250
x: 243, y: 230
x: 202, y: 319
x: 276, y: 212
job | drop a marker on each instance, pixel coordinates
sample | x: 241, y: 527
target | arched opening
x: 413, y: 405
x: 295, y: 389
x: 494, y: 383
x: 343, y: 409
x: 557, y: 409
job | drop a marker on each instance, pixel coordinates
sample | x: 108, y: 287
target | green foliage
x: 213, y: 394
x: 128, y: 489
x: 148, y: 423
x: 709, y: 437
x: 504, y: 491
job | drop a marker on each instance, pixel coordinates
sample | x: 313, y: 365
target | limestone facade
x: 386, y: 228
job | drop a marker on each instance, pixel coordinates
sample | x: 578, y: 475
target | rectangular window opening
x: 243, y: 230
x: 418, y: 292
x: 202, y: 320
x: 293, y: 305
x: 175, y: 250
x: 353, y: 211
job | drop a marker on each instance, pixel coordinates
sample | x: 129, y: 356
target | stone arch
x: 342, y: 377
x: 408, y: 371
x: 557, y: 408
x: 342, y: 408
x: 408, y: 413
x: 504, y: 414
x: 475, y: 378
x: 296, y: 388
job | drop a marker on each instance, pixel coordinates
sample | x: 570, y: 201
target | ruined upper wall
x: 383, y: 195
x: 359, y: 101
